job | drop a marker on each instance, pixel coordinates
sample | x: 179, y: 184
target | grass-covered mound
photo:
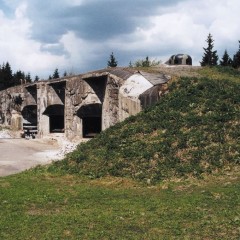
x: 194, y: 129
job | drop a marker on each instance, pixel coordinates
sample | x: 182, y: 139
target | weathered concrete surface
x: 17, y: 155
x: 80, y: 106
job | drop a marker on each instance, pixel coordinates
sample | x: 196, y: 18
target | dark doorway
x: 91, y: 116
x: 91, y: 126
x: 29, y: 114
x: 56, y: 123
x: 56, y: 118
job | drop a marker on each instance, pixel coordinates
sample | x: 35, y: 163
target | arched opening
x: 56, y: 118
x: 91, y: 116
x: 29, y: 114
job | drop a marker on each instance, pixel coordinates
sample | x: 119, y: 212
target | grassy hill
x: 194, y: 129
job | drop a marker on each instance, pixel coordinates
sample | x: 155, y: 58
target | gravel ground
x: 19, y: 154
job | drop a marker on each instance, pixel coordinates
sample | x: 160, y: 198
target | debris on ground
x: 5, y: 134
x: 66, y: 147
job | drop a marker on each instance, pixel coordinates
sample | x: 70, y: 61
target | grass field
x: 39, y: 205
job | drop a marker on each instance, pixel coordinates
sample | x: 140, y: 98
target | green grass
x: 195, y: 129
x: 39, y: 205
x: 220, y: 73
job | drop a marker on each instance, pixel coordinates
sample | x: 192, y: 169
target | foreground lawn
x: 40, y: 205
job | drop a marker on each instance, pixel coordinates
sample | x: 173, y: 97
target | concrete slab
x: 19, y: 154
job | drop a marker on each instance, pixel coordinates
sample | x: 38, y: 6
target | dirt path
x: 19, y: 154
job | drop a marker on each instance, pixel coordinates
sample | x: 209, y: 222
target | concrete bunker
x: 180, y: 59
x: 83, y: 105
x: 91, y: 116
x: 56, y: 118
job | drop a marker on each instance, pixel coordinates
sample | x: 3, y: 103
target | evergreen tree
x: 112, y: 61
x: 7, y: 75
x: 10, y: 79
x: 236, y: 58
x: 65, y: 74
x: 210, y: 57
x: 1, y: 79
x: 146, y: 62
x: 226, y: 60
x: 36, y: 79
x: 19, y: 77
x: 55, y: 74
x: 28, y: 78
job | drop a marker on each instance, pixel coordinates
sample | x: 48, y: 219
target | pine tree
x: 28, y: 78
x: 55, y: 74
x: 236, y: 58
x: 18, y: 77
x: 1, y: 79
x: 112, y: 61
x: 36, y: 79
x: 146, y: 62
x: 210, y: 57
x: 7, y: 75
x: 226, y: 60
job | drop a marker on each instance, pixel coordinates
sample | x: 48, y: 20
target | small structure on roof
x: 180, y: 59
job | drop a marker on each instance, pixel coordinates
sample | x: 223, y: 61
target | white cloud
x: 184, y: 28
x: 20, y: 50
x: 81, y: 52
x: 179, y: 28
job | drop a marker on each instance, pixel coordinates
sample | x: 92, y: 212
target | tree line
x: 112, y: 62
x: 210, y: 56
x: 10, y: 79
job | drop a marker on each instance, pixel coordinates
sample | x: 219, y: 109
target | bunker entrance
x: 56, y: 118
x: 29, y: 114
x: 56, y: 123
x: 91, y: 116
x: 91, y: 126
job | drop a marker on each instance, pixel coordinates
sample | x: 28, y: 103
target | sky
x: 77, y: 36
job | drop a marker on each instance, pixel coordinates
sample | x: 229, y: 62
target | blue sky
x: 77, y: 36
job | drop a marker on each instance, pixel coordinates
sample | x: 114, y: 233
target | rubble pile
x: 66, y: 147
x: 5, y: 134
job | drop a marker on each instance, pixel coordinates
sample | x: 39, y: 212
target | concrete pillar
x: 43, y: 120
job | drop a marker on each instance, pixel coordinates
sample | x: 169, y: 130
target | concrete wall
x: 118, y: 98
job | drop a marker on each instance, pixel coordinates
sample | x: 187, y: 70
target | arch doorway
x: 56, y: 118
x: 91, y: 116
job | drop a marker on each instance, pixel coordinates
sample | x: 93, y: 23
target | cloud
x: 183, y: 28
x: 79, y: 35
x: 17, y: 47
x: 90, y: 19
